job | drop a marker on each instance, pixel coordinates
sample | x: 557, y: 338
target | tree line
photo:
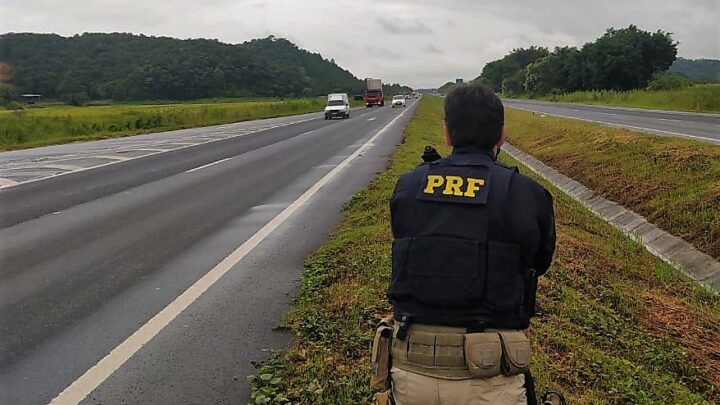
x: 621, y: 59
x: 127, y: 67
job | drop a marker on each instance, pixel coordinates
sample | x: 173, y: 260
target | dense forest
x: 621, y: 59
x: 137, y: 67
x: 698, y: 69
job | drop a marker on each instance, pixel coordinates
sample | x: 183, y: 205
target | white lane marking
x: 156, y: 151
x: 121, y: 158
x: 616, y: 124
x: 7, y: 182
x: 372, y: 119
x: 208, y: 165
x: 80, y: 388
x: 54, y: 166
x: 668, y: 119
x: 306, y: 133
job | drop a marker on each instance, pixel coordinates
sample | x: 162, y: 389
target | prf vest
x: 447, y: 266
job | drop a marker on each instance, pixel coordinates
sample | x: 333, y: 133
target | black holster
x: 530, y: 388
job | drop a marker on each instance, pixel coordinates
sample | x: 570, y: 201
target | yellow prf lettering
x: 452, y: 185
x: 473, y: 185
x: 433, y: 181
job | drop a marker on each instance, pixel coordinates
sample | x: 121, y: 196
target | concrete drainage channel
x: 700, y: 267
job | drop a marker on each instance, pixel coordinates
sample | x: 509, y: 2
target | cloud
x: 404, y: 26
x: 380, y: 53
x: 368, y: 37
x: 432, y: 49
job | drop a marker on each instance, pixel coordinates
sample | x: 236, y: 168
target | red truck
x: 373, y: 94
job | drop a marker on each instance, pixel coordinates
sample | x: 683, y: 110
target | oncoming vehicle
x: 373, y: 94
x: 398, y: 101
x: 338, y: 105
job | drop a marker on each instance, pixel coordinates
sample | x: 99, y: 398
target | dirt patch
x: 699, y: 334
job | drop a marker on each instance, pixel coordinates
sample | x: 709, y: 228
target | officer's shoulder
x: 419, y: 170
x: 416, y: 174
x: 527, y: 184
x: 506, y: 166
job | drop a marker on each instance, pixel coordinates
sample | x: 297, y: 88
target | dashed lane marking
x: 120, y: 158
x: 207, y: 165
x: 61, y: 167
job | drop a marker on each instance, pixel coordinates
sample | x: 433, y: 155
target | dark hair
x: 474, y: 116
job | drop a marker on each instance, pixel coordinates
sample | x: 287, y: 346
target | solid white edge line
x: 96, y: 375
x: 208, y: 165
x: 154, y: 153
x: 615, y: 124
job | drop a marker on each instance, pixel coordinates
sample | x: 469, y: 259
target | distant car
x: 398, y: 101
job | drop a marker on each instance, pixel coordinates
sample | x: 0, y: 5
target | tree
x: 559, y: 72
x: 513, y: 85
x: 495, y: 72
x: 627, y: 58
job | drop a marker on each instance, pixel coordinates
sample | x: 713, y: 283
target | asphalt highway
x: 158, y: 276
x: 699, y: 126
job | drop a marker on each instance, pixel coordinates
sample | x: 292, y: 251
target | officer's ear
x: 446, y: 133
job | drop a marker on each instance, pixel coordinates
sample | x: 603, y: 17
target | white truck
x: 338, y: 105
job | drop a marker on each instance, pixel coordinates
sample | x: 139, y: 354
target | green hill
x: 122, y: 66
x: 698, y: 69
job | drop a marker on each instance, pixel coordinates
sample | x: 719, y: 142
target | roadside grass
x: 619, y: 325
x: 64, y: 124
x: 687, y: 99
x: 673, y: 182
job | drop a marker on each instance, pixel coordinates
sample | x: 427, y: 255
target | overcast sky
x: 422, y: 43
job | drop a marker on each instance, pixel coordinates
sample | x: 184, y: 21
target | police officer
x: 471, y: 237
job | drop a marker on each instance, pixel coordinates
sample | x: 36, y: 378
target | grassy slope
x: 707, y: 95
x: 64, y: 124
x: 619, y: 327
x: 674, y: 183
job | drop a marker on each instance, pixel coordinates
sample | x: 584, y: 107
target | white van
x: 338, y: 105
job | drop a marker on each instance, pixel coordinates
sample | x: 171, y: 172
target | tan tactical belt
x: 451, y: 353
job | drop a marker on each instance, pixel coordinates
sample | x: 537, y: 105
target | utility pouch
x: 380, y: 357
x: 516, y: 353
x: 382, y: 398
x: 483, y: 352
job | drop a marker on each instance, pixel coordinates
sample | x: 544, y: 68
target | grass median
x: 706, y: 97
x: 619, y: 326
x: 673, y: 182
x: 64, y: 124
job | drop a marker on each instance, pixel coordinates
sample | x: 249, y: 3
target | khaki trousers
x: 410, y: 388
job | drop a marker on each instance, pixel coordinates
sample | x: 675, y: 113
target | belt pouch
x: 380, y: 357
x: 516, y: 353
x: 483, y: 352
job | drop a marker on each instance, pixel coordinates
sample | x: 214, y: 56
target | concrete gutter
x: 700, y: 267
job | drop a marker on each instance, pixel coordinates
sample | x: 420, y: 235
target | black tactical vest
x: 446, y: 266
